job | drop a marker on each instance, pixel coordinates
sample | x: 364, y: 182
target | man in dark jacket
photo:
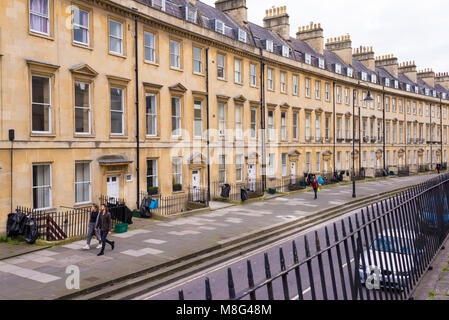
x: 104, y: 224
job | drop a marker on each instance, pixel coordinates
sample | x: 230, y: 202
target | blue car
x: 429, y: 215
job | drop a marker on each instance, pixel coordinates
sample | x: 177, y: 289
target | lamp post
x: 354, y: 98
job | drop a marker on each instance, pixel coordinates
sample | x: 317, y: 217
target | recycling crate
x: 121, y: 228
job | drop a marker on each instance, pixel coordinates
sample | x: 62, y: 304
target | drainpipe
x: 333, y: 99
x: 262, y: 119
x: 11, y: 138
x: 431, y: 138
x: 441, y: 132
x: 383, y: 123
x: 137, y: 116
x: 207, y: 124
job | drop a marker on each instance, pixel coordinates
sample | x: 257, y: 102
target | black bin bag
x: 244, y: 194
x: 16, y: 224
x: 31, y: 231
x: 225, y: 191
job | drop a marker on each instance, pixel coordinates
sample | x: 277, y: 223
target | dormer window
x: 219, y: 26
x: 242, y: 35
x: 338, y: 68
x: 407, y: 87
x: 321, y: 63
x: 443, y: 95
x: 427, y: 92
x: 191, y: 14
x: 158, y: 4
x: 350, y: 72
x: 396, y: 84
x: 285, y: 51
x: 269, y: 45
x: 416, y: 89
x: 364, y: 76
x: 387, y: 82
x: 308, y: 58
x: 373, y: 78
x: 434, y: 93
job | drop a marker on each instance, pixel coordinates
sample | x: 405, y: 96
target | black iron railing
x: 380, y: 253
x: 254, y: 188
x: 55, y: 226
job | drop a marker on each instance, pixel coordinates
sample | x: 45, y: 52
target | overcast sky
x: 409, y: 29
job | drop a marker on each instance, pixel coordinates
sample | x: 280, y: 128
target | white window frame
x: 81, y: 26
x: 89, y: 109
x: 116, y: 37
x: 270, y: 80
x: 253, y: 74
x: 219, y: 26
x: 50, y: 196
x: 47, y: 17
x: 271, y: 136
x: 149, y: 48
x: 155, y: 174
x: 89, y: 182
x: 283, y: 80
x: 285, y: 51
x: 283, y: 125
x: 269, y: 45
x: 238, y: 167
x: 242, y: 35
x: 295, y: 122
x: 176, y: 132
x: 151, y: 115
x: 222, y: 120
x: 307, y: 86
x: 175, y: 54
x: 253, y: 123
x: 221, y: 67
x: 197, y: 62
x: 317, y: 89
x: 238, y: 110
x: 284, y: 164
x: 321, y: 63
x: 42, y: 104
x: 308, y: 58
x: 238, y: 71
x: 197, y: 104
x: 189, y: 16
x: 177, y: 164
x: 295, y: 82
x: 338, y: 68
x: 122, y: 112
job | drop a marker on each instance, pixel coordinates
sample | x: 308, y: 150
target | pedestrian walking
x: 438, y: 168
x: 93, y: 221
x: 104, y: 224
x: 315, y: 186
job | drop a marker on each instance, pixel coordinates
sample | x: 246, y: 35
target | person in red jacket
x: 315, y: 186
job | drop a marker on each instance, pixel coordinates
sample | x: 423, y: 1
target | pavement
x: 435, y: 284
x: 42, y: 274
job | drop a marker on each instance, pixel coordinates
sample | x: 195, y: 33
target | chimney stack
x: 235, y: 8
x: 443, y: 79
x: 428, y: 76
x: 409, y: 69
x: 277, y: 20
x: 313, y: 35
x: 342, y: 46
x: 366, y: 56
x: 390, y: 63
x: 192, y: 2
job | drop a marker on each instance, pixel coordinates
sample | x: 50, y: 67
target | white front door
x: 196, y: 183
x: 113, y: 187
x: 252, y: 177
x: 293, y: 172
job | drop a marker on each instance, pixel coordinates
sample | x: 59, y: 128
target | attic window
x: 434, y: 93
x: 191, y: 14
x: 444, y: 95
x: 407, y: 87
x: 364, y: 76
x: 285, y: 51
x: 338, y: 68
x: 321, y: 63
x: 396, y: 84
x: 373, y: 78
x: 269, y: 45
x: 416, y: 89
x: 350, y: 72
x: 242, y: 35
x: 427, y: 92
x: 308, y: 58
x: 158, y: 4
x: 219, y: 26
x: 387, y: 82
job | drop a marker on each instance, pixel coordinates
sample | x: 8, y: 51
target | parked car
x: 386, y: 254
x: 429, y: 216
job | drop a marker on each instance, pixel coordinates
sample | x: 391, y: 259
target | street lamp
x: 368, y: 98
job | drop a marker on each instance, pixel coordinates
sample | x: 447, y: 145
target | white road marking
x: 28, y: 273
x: 142, y: 252
x: 155, y: 241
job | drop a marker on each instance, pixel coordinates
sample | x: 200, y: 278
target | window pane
x: 116, y: 45
x: 41, y: 115
x: 116, y: 122
x: 116, y: 99
x: 115, y: 29
x: 81, y: 120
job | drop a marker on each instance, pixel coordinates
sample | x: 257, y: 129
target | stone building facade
x: 87, y: 124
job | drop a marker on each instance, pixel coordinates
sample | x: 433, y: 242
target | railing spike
x: 231, y: 285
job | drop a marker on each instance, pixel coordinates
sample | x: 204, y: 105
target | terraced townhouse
x: 114, y: 97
